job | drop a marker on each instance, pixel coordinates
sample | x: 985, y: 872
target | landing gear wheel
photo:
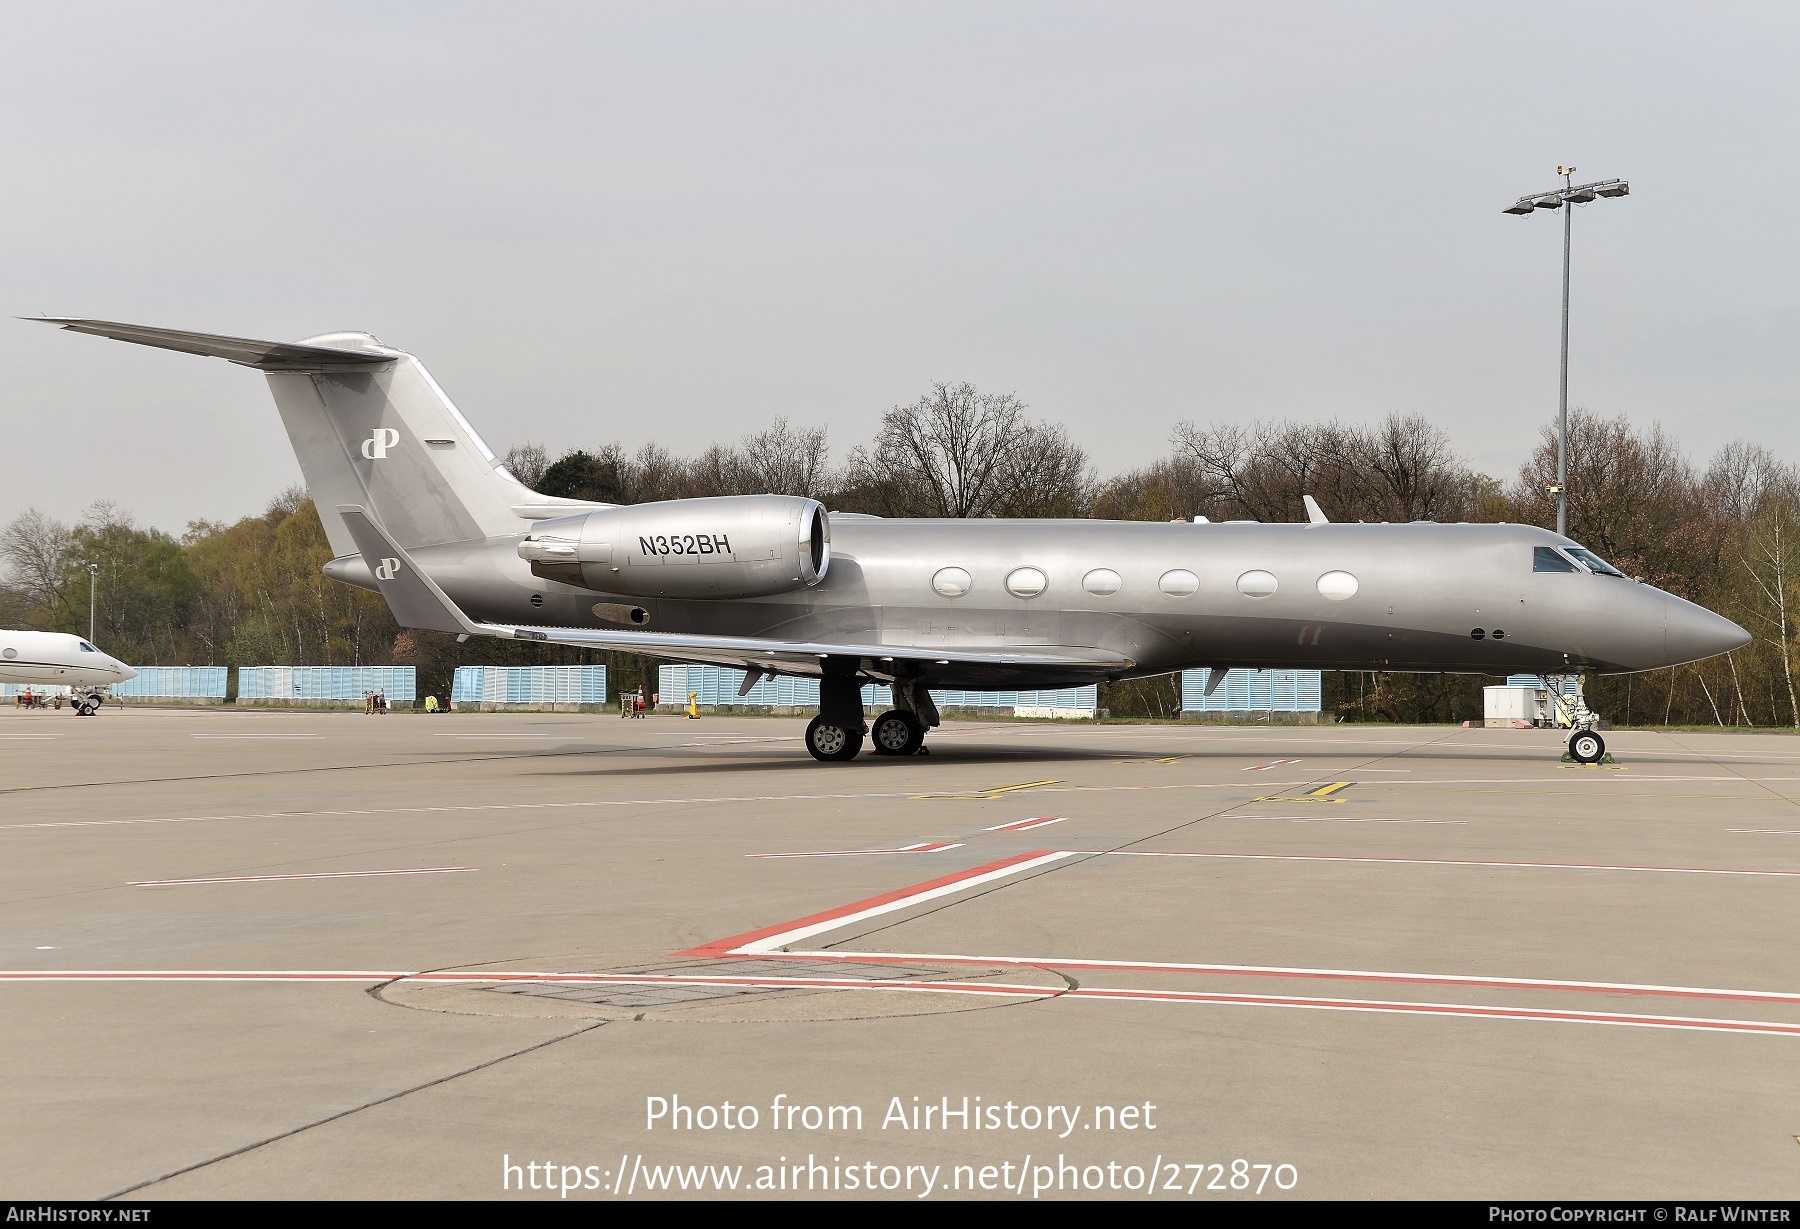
x: 897, y: 732
x: 1587, y: 747
x: 832, y: 743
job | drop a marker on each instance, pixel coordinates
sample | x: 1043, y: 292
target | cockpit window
x: 86, y: 647
x: 1547, y: 559
x: 1594, y: 562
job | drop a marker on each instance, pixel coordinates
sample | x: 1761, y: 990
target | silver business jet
x: 419, y: 508
x: 57, y: 659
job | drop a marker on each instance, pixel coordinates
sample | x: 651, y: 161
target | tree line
x: 1725, y: 533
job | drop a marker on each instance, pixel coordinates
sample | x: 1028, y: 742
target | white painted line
x: 423, y: 870
x: 1547, y: 866
x: 1023, y: 825
x: 1768, y: 831
x: 253, y: 736
x: 1342, y: 819
x: 21, y: 736
x: 925, y: 847
x: 770, y: 938
x: 1266, y: 767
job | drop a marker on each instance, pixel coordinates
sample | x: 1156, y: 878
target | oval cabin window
x: 1257, y: 584
x: 1179, y: 583
x: 952, y: 582
x: 1026, y: 582
x: 1102, y: 582
x: 1337, y: 586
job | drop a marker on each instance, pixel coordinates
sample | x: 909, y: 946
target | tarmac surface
x: 267, y: 954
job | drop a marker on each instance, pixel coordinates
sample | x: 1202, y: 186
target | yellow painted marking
x: 990, y: 793
x: 1322, y: 794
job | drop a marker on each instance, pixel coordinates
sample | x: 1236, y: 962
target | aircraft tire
x: 1587, y: 747
x: 830, y: 743
x: 897, y: 732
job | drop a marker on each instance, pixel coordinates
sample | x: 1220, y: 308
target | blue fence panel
x: 1253, y: 691
x: 1537, y: 680
x: 326, y: 682
x: 719, y: 685
x: 529, y: 685
x: 175, y: 683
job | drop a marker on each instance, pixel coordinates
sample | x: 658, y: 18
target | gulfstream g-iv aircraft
x: 57, y: 659
x: 417, y: 506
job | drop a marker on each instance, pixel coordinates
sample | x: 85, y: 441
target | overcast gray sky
x: 628, y: 222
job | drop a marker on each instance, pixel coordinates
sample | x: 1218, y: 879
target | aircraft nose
x: 124, y: 671
x: 1694, y: 633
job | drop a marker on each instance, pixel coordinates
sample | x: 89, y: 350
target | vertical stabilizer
x: 371, y: 428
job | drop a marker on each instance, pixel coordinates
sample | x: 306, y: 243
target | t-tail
x: 372, y: 428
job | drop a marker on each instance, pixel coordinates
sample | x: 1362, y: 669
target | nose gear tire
x: 1587, y: 747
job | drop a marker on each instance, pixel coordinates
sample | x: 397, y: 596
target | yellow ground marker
x: 989, y: 794
x: 1322, y: 794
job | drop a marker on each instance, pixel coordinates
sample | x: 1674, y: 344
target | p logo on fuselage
x: 380, y: 440
x: 387, y: 569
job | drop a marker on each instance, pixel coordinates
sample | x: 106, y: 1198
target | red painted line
x: 928, y: 847
x: 721, y: 947
x: 1272, y: 764
x: 423, y: 870
x: 1467, y: 1010
x: 1551, y: 866
x: 800, y: 983
x: 1021, y: 825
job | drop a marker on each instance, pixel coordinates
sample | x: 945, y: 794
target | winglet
x: 1314, y: 514
x: 411, y: 594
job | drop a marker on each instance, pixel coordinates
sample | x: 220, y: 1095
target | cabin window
x: 952, y: 582
x: 1179, y: 583
x: 10, y: 654
x: 1595, y: 563
x: 1549, y: 559
x: 1337, y: 586
x: 1026, y: 582
x: 1102, y: 582
x: 1257, y: 584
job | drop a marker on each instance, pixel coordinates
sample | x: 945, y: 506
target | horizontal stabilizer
x: 413, y: 596
x: 245, y: 351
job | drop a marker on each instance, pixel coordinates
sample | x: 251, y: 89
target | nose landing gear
x: 1587, y: 747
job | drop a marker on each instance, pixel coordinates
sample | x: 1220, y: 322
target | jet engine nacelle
x: 732, y: 546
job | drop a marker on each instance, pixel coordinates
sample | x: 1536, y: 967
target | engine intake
x: 731, y: 546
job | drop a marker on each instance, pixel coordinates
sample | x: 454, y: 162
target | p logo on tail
x: 375, y: 448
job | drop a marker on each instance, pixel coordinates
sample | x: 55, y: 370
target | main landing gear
x: 836, y: 734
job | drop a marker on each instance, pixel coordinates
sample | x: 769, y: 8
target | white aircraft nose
x: 124, y: 671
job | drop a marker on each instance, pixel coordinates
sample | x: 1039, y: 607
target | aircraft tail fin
x: 371, y: 428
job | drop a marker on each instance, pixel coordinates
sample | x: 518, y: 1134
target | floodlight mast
x: 1569, y: 194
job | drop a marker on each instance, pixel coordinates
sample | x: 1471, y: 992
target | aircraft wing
x: 245, y: 351
x: 418, y: 601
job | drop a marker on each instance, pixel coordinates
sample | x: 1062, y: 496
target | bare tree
x: 959, y: 452
x: 783, y: 461
x: 1769, y: 562
x: 38, y: 551
x: 1401, y: 469
x: 527, y: 463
